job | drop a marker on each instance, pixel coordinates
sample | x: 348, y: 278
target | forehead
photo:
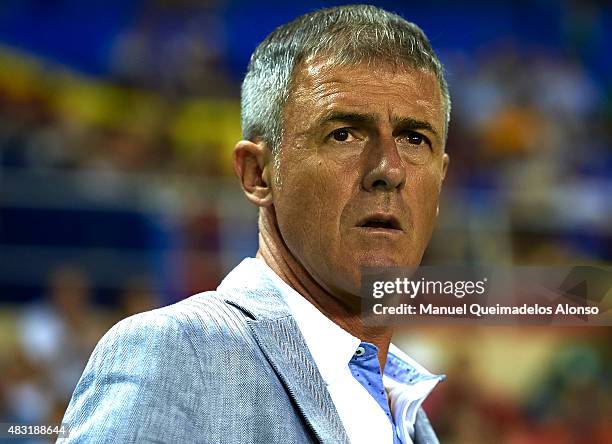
x: 397, y: 92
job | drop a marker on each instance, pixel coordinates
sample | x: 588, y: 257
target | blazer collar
x: 250, y: 287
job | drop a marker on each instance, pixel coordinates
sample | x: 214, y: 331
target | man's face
x: 362, y: 162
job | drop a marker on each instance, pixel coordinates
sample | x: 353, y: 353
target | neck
x: 276, y: 254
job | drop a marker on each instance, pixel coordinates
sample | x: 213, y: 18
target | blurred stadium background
x: 117, y: 121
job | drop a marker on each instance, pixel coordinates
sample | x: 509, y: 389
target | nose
x: 385, y: 169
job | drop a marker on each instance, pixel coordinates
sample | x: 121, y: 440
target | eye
x: 414, y: 138
x: 341, y: 135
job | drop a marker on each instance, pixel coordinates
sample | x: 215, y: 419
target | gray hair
x: 346, y: 35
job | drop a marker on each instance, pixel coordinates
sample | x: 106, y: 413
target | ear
x: 445, y: 162
x: 253, y: 167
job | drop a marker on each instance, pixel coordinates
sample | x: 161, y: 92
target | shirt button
x: 360, y: 351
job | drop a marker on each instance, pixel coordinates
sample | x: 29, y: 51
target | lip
x: 370, y: 223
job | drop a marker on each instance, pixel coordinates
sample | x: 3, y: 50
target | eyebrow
x: 400, y: 124
x: 336, y: 116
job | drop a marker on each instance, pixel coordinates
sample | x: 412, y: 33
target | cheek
x: 423, y: 192
x: 308, y: 203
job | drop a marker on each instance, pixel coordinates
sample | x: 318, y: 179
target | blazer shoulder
x: 149, y: 373
x: 200, y: 320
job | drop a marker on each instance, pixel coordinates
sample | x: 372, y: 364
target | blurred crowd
x: 52, y: 339
x: 116, y: 196
x: 568, y: 400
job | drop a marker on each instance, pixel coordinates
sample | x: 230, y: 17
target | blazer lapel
x: 284, y: 347
x: 250, y: 288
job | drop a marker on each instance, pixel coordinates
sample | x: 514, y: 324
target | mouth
x: 380, y: 222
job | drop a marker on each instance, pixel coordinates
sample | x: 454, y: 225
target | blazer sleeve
x: 134, y: 388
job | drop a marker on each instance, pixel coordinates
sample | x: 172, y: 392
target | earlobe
x: 251, y: 165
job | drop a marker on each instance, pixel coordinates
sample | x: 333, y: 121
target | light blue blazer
x: 228, y: 366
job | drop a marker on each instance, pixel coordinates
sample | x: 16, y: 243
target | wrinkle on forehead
x: 318, y: 87
x: 326, y: 68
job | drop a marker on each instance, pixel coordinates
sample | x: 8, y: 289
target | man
x: 344, y: 114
